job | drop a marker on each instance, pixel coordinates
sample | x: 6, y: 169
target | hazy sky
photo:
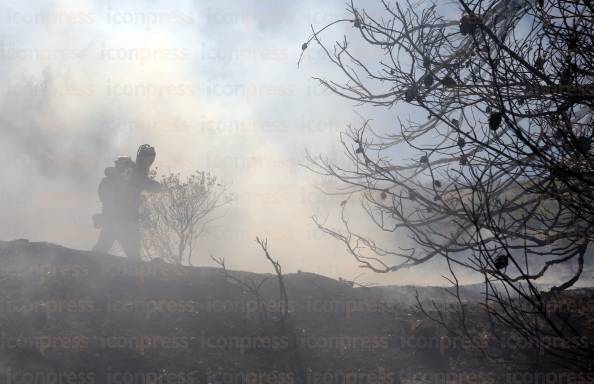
x: 213, y: 85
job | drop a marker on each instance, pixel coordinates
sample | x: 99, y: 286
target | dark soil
x: 71, y: 316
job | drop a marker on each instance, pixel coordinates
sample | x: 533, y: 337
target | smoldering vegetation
x: 97, y: 318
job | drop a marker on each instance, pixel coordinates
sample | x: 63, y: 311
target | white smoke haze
x: 213, y: 85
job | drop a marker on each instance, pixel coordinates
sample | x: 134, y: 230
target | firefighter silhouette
x: 119, y: 193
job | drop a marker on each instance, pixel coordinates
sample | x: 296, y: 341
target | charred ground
x: 100, y: 318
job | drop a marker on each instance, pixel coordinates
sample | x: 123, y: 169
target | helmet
x: 123, y: 162
x: 145, y: 155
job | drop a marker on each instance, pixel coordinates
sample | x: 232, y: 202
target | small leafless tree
x: 173, y: 220
x: 495, y: 171
x: 283, y: 297
x: 286, y: 325
x: 248, y: 283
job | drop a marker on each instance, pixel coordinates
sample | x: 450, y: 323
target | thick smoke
x: 212, y: 85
